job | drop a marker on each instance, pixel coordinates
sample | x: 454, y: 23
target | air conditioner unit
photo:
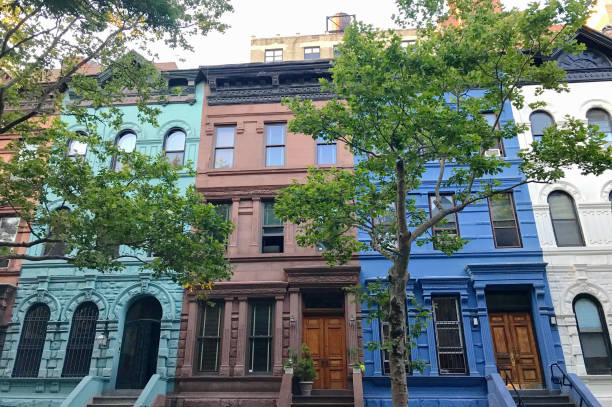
x: 493, y: 152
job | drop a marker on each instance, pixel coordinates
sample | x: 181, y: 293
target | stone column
x: 190, y: 343
x: 295, y: 319
x: 278, y: 336
x: 226, y: 338
x: 255, y: 226
x: 240, y: 368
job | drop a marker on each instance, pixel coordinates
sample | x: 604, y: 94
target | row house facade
x: 492, y: 314
x: 574, y: 216
x: 280, y: 295
x: 75, y: 334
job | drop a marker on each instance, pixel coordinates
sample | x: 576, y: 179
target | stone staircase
x: 325, y: 398
x: 544, y: 398
x: 116, y: 398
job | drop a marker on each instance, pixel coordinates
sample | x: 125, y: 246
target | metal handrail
x: 566, y: 380
x: 520, y: 402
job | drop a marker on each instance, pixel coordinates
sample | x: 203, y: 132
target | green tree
x: 48, y: 47
x: 398, y: 109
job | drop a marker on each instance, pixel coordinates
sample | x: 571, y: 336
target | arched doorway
x: 138, y: 358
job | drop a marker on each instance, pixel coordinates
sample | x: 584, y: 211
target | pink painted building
x: 280, y: 295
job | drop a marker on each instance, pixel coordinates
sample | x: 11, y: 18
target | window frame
x: 199, y: 339
x: 384, y: 354
x: 500, y: 144
x: 121, y: 134
x: 50, y: 250
x: 431, y: 208
x: 170, y: 132
x: 14, y: 239
x: 69, y: 144
x: 604, y: 329
x: 284, y: 145
x: 516, y: 222
x: 609, y: 133
x: 320, y: 142
x: 576, y: 218
x: 251, y: 337
x: 311, y: 49
x: 459, y: 324
x: 264, y: 202
x: 538, y: 137
x: 216, y: 148
x: 274, y: 55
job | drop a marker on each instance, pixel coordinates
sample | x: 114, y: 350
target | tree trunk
x: 397, y: 332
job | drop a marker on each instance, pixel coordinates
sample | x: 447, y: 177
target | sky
x: 267, y: 18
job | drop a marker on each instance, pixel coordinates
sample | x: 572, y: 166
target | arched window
x: 76, y: 148
x: 174, y: 147
x: 81, y: 340
x: 32, y: 342
x: 125, y: 142
x: 539, y: 121
x: 593, y: 333
x: 601, y: 119
x: 566, y: 224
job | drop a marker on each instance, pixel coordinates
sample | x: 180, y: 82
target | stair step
x: 537, y: 392
x: 111, y: 404
x: 334, y: 392
x: 121, y: 392
x: 542, y: 399
x: 549, y: 404
x: 114, y: 400
x: 321, y: 398
x: 324, y: 404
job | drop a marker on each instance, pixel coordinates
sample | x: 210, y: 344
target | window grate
x: 32, y: 341
x: 449, y: 336
x: 81, y: 341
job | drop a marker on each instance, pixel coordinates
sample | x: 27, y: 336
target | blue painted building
x: 493, y: 306
x: 95, y: 332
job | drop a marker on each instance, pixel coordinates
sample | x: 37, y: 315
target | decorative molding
x: 227, y: 290
x: 323, y: 276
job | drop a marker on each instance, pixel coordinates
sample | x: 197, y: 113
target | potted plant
x: 358, y: 367
x: 305, y: 371
x: 289, y: 361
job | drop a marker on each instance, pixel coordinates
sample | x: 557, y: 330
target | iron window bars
x: 449, y: 335
x: 81, y: 341
x: 32, y: 341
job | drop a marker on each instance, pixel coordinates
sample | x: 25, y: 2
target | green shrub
x: 304, y: 369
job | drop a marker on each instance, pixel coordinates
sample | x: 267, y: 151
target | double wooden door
x: 326, y: 338
x: 516, y: 352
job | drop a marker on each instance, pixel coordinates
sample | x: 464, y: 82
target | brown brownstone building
x: 280, y: 294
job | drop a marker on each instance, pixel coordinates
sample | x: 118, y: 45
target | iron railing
x: 32, y: 341
x: 519, y: 400
x: 565, y: 380
x: 81, y: 341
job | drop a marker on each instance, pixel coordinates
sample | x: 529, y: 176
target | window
x: 224, y: 147
x: 9, y: 226
x: 406, y: 43
x: 223, y: 209
x: 326, y: 152
x: 449, y: 336
x: 593, y: 334
x: 490, y: 118
x: 451, y: 225
x: 274, y: 55
x: 503, y: 220
x: 564, y: 219
x: 81, y: 340
x: 174, y: 147
x: 209, y: 337
x: 260, y: 337
x: 312, y: 53
x: 32, y: 341
x: 275, y: 144
x: 273, y: 232
x: 601, y: 119
x: 610, y: 197
x: 125, y: 142
x: 76, y: 149
x: 54, y: 248
x: 336, y: 50
x: 539, y: 121
x: 384, y: 354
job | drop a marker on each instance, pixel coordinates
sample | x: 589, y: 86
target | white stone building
x: 574, y: 217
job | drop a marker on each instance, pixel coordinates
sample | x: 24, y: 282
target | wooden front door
x: 516, y: 353
x: 326, y: 338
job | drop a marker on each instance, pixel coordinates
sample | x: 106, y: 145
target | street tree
x: 401, y: 108
x: 99, y: 53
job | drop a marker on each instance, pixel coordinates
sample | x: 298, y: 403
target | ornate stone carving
x: 323, y: 276
x: 587, y: 60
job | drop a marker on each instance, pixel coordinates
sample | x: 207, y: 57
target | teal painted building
x: 103, y: 331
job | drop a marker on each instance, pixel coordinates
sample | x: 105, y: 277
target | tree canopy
x: 78, y: 59
x: 401, y: 109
